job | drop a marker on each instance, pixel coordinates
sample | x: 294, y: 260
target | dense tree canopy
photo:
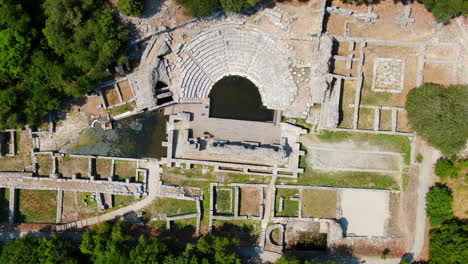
x: 107, y: 243
x: 130, y: 7
x: 439, y: 204
x: 62, y: 53
x: 440, y: 115
x: 200, y: 8
x: 449, y: 243
x: 444, y: 10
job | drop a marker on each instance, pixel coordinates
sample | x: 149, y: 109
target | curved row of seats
x: 229, y: 49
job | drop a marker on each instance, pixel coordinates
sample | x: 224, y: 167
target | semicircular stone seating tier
x: 237, y: 49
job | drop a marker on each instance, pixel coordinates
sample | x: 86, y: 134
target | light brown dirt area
x: 339, y: 67
x: 22, y: 160
x: 37, y: 206
x: 409, y: 56
x: 342, y: 48
x: 250, y: 201
x: 336, y: 24
x: 318, y: 203
x: 125, y: 90
x: 386, y: 27
x: 69, y: 166
x: 70, y: 207
x: 348, y: 94
x: 111, y: 96
x: 103, y: 168
x: 45, y: 164
x: 395, y: 228
x: 367, y: 248
x: 125, y: 169
x: 459, y: 189
x: 89, y: 105
x: 366, y: 118
x: 402, y: 121
x: 441, y: 52
x: 438, y: 73
x: 385, y: 120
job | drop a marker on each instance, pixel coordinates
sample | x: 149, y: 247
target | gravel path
x: 425, y: 173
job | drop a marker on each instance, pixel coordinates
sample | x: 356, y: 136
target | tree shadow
x: 244, y: 233
x: 151, y: 7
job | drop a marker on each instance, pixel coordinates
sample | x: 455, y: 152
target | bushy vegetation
x: 439, y: 204
x: 201, y: 8
x: 439, y: 115
x: 449, y: 243
x: 444, y: 10
x: 107, y: 243
x: 130, y: 7
x: 50, y: 50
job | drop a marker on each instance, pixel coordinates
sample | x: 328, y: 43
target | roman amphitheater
x: 319, y: 69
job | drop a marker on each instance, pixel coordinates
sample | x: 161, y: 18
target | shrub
x: 444, y: 168
x: 439, y: 115
x: 439, y: 204
x: 419, y: 158
x: 130, y: 7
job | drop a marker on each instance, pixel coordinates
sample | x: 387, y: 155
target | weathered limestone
x: 12, y: 206
x: 59, y: 206
x: 236, y: 49
x: 329, y: 116
x: 319, y: 82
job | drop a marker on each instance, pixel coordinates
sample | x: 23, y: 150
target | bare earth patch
x: 250, y: 201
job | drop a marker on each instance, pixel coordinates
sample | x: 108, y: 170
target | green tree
x: 444, y: 10
x: 21, y: 250
x: 449, y: 243
x: 439, y: 204
x: 200, y: 8
x: 238, y: 5
x: 130, y: 7
x: 444, y: 168
x: 440, y: 115
x: 56, y: 250
x: 217, y: 249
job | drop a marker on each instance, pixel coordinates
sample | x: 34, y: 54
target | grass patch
x: 122, y: 200
x: 224, y: 200
x: 366, y: 118
x: 406, y: 178
x: 86, y: 207
x: 318, y: 203
x: 345, y: 179
x: 385, y: 120
x: 122, y: 109
x: 171, y: 206
x: 370, y: 97
x: 392, y: 143
x: 37, y: 206
x: 290, y: 208
x: 459, y: 187
x: 4, y: 204
x: 124, y: 169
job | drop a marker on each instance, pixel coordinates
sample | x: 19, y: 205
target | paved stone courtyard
x: 388, y: 75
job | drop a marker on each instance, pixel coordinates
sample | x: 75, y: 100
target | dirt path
x: 425, y: 173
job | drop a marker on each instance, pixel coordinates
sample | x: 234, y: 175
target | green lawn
x: 37, y: 206
x: 225, y: 200
x: 124, y: 169
x: 319, y: 203
x: 122, y: 200
x: 392, y: 143
x: 291, y: 208
x: 171, y: 206
x: 122, y: 109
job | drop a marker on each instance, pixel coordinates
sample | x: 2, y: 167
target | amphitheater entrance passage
x: 236, y: 97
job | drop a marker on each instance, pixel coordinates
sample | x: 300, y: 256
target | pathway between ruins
x: 269, y: 207
x: 27, y: 181
x: 425, y: 174
x: 153, y: 191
